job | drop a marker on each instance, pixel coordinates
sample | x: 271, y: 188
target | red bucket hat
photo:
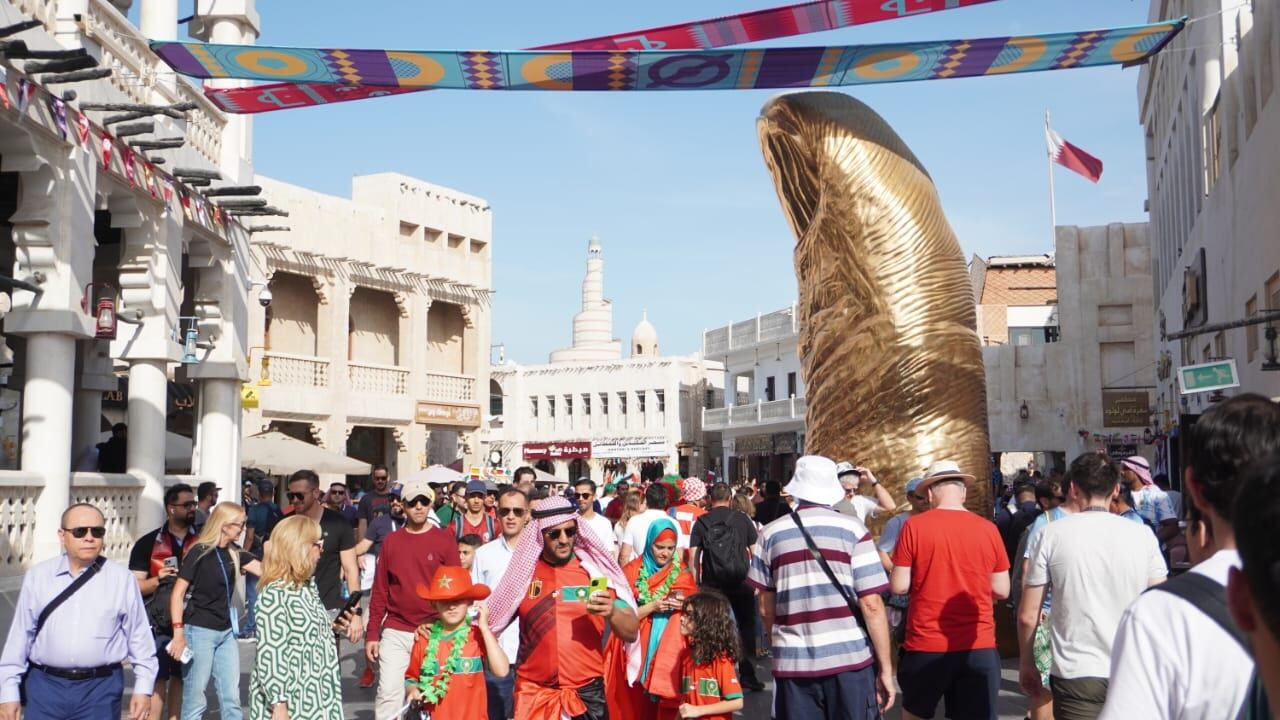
x: 451, y: 584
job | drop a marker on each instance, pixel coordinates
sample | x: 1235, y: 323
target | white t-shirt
x: 1171, y: 662
x: 604, y: 530
x: 864, y: 506
x: 638, y: 530
x: 490, y: 564
x: 1097, y: 564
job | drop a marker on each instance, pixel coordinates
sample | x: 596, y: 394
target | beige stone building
x: 1069, y: 363
x: 376, y: 341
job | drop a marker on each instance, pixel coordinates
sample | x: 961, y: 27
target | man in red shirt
x: 409, y: 557
x: 548, y: 587
x: 954, y: 565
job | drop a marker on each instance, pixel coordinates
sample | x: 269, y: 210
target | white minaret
x: 593, y: 327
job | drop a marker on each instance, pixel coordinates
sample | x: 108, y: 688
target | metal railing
x: 757, y: 413
x: 378, y: 379
x: 298, y: 370
x: 771, y: 327
x: 447, y: 387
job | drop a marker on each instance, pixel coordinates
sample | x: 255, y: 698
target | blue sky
x: 673, y: 183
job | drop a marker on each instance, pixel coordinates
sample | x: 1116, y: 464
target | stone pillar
x: 231, y: 22
x: 158, y: 19
x: 148, y: 398
x: 46, y: 426
x: 220, y: 433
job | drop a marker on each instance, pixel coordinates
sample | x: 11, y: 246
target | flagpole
x: 1053, y: 207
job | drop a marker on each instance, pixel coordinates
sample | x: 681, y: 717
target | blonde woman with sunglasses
x: 204, y: 619
x: 295, y: 676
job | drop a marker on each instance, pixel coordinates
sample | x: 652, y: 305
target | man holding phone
x: 155, y: 560
x: 567, y: 583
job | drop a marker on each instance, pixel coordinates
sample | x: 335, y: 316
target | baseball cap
x: 414, y: 488
x: 476, y: 487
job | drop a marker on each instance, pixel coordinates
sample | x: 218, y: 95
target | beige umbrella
x: 278, y: 454
x: 435, y: 475
x: 544, y: 477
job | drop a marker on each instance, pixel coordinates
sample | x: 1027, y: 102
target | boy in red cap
x: 446, y: 665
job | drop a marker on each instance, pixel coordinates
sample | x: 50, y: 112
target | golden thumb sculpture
x: 891, y: 359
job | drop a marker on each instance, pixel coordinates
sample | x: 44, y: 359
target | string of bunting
x: 113, y: 155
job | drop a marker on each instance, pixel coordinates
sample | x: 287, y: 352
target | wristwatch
x: 357, y: 610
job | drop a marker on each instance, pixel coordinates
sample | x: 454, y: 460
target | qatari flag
x: 1071, y: 157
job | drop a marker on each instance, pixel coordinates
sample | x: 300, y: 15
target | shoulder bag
x: 53, y: 605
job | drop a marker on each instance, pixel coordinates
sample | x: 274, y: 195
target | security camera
x: 264, y: 296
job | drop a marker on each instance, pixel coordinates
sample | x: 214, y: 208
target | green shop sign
x: 1204, y: 377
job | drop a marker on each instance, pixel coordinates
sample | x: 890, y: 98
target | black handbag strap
x: 1209, y: 597
x: 822, y: 562
x: 67, y: 593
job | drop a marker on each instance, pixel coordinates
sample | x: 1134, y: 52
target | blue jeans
x: 215, y: 653
x: 250, y: 627
x: 501, y: 694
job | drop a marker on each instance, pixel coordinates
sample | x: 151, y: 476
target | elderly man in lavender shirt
x: 73, y: 666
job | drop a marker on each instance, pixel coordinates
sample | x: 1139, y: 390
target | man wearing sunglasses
x: 70, y: 667
x: 409, y: 558
x: 155, y: 561
x: 584, y: 493
x: 492, y: 560
x: 550, y: 581
x: 337, y: 562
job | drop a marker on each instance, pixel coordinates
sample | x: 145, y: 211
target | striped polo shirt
x: 814, y: 632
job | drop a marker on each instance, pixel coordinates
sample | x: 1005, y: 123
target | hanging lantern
x: 189, y: 356
x: 104, y: 310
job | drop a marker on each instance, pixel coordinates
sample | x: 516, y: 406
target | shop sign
x: 570, y: 450
x: 753, y: 445
x: 1218, y: 375
x: 784, y: 443
x: 434, y: 413
x: 1126, y: 408
x: 1120, y: 451
x: 630, y: 448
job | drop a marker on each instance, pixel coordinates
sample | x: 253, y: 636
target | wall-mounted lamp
x: 264, y: 376
x: 1147, y: 437
x: 102, y: 297
x: 1024, y: 412
x: 189, y: 336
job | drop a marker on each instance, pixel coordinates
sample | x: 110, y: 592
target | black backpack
x: 158, y: 606
x: 724, y: 559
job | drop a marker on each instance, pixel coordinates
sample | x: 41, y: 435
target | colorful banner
x: 630, y: 70
x: 753, y: 26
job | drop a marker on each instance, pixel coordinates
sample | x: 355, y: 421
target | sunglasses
x: 420, y: 501
x: 585, y: 496
x: 569, y: 533
x: 296, y: 496
x: 505, y: 511
x: 98, y: 532
x: 337, y: 492
x: 190, y: 504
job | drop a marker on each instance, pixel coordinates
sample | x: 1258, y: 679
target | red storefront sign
x: 570, y: 450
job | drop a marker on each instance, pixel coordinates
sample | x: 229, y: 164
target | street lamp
x: 495, y: 458
x: 1024, y: 412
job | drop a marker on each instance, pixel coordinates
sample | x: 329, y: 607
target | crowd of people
x: 652, y: 599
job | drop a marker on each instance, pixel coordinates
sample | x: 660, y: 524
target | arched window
x: 495, y: 398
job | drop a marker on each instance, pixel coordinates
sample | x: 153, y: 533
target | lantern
x: 104, y: 310
x: 190, y: 339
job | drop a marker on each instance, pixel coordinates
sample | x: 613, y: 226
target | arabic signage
x: 1119, y: 451
x: 557, y: 450
x: 753, y: 445
x: 434, y: 413
x: 630, y: 448
x: 785, y: 444
x: 1126, y: 408
x: 1204, y: 377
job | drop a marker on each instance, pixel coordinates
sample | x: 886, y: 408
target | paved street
x: 358, y: 702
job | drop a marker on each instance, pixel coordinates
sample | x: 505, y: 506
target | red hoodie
x: 405, y: 561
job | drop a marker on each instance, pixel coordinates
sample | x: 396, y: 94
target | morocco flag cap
x: 1072, y: 157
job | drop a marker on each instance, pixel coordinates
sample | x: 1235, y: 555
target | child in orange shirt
x: 709, y: 685
x: 446, y: 666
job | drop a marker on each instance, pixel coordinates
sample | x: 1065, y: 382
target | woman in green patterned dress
x: 295, y: 675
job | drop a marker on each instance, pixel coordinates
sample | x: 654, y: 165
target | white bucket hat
x: 943, y: 470
x: 815, y: 481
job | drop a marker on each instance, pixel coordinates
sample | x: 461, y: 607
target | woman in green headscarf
x: 661, y: 581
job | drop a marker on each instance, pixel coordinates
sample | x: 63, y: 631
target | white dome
x: 644, y: 339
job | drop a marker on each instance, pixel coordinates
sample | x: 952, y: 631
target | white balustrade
x: 18, y: 493
x: 715, y: 342
x: 137, y: 70
x: 447, y: 387
x: 298, y: 370
x: 117, y: 497
x: 46, y: 11
x: 378, y: 379
x: 777, y: 325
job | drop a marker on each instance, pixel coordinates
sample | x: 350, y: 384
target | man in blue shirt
x: 72, y: 666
